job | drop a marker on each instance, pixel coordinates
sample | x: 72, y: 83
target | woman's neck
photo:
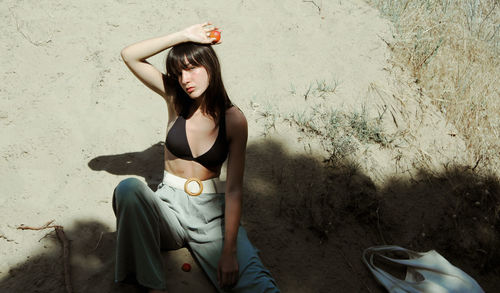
x: 194, y: 106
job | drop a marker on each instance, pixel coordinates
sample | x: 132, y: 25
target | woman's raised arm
x: 136, y: 54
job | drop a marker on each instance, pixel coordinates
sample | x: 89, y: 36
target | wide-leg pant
x: 148, y: 222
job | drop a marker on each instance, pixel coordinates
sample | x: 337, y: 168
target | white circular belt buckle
x: 199, y: 184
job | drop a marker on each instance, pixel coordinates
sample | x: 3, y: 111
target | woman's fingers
x: 223, y: 283
x: 207, y: 26
x: 229, y: 280
x: 234, y: 280
x: 226, y: 279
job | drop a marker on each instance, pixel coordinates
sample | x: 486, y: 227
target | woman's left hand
x: 228, y: 270
x: 200, y: 33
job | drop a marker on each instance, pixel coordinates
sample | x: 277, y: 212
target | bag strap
x: 391, y: 283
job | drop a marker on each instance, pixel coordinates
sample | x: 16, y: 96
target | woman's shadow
x: 148, y: 164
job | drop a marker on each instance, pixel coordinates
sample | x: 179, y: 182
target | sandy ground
x: 74, y: 122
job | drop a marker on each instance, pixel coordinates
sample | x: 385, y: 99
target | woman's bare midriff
x: 188, y: 169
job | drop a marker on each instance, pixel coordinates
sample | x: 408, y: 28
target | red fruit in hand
x: 215, y: 34
x: 186, y: 267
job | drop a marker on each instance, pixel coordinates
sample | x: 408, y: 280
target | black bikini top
x: 177, y: 143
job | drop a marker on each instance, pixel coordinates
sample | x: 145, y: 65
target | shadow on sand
x: 310, y: 221
x: 148, y: 164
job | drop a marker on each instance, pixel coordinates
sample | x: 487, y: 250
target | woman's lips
x: 190, y: 89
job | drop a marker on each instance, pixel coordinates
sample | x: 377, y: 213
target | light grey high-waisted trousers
x: 149, y: 222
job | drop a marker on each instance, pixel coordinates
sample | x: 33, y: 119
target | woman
x: 191, y: 207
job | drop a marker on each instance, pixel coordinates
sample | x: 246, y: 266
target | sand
x: 74, y: 122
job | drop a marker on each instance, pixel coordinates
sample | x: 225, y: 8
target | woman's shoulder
x: 236, y: 123
x: 234, y: 115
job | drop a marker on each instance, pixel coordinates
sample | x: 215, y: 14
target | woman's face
x: 194, y: 80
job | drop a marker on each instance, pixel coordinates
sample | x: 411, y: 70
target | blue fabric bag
x: 425, y: 272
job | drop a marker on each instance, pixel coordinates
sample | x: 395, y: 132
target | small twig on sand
x: 307, y: 93
x: 378, y: 227
x: 67, y: 268
x: 387, y: 43
x: 429, y: 55
x: 7, y: 239
x: 314, y: 3
x: 477, y: 163
x: 27, y: 37
x: 352, y: 269
x: 65, y: 243
x: 46, y: 226
x: 98, y: 242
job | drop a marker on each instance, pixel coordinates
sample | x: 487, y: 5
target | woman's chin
x: 194, y: 95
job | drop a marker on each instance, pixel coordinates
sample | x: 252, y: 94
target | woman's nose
x: 185, y: 77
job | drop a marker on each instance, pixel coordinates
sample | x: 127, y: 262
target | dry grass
x: 338, y: 132
x: 451, y: 49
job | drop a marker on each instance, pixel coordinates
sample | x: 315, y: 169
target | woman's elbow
x: 124, y: 54
x: 234, y: 193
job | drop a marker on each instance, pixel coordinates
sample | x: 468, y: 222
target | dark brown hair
x: 216, y: 100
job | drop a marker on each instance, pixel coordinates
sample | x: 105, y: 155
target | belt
x: 194, y: 186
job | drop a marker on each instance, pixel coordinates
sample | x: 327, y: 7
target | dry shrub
x: 451, y: 49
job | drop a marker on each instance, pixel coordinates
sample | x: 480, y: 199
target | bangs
x: 176, y: 59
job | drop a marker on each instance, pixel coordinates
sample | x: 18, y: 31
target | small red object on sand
x: 186, y: 267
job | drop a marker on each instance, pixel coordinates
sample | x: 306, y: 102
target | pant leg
x: 145, y: 225
x: 253, y: 276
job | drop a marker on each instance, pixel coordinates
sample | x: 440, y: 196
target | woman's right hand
x: 199, y: 33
